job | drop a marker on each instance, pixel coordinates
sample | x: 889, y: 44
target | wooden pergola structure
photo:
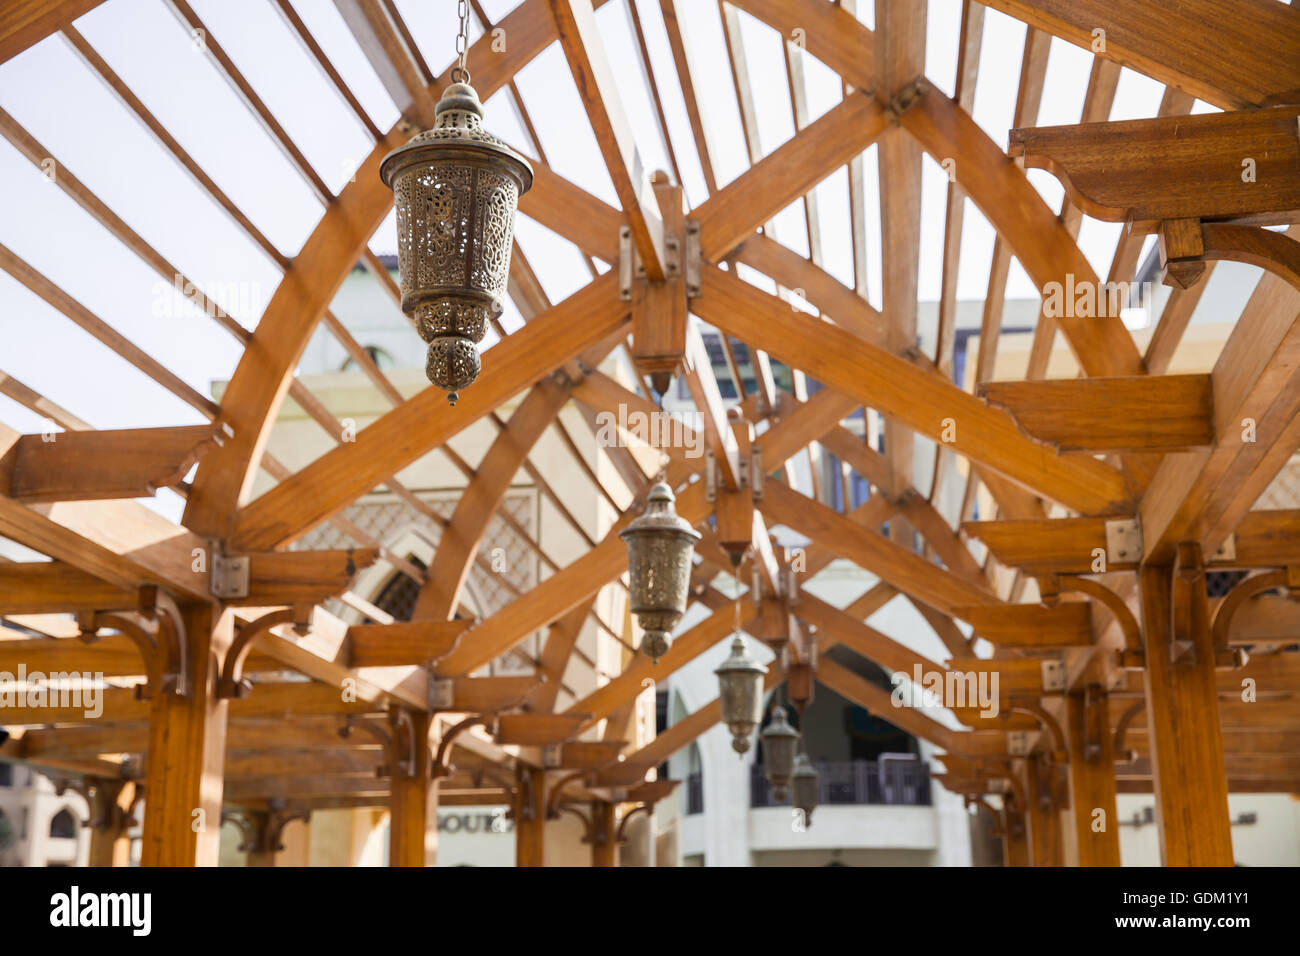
x: 1117, y: 492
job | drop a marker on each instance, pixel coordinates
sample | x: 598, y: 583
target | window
x: 6, y: 775
x: 64, y: 825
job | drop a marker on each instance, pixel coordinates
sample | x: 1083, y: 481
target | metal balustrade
x: 895, y: 782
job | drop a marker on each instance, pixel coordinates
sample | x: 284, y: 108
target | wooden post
x: 604, y: 834
x: 187, y: 746
x: 530, y: 816
x: 1092, y: 777
x: 1191, y: 787
x: 262, y: 843
x: 110, y: 802
x: 1042, y: 816
x: 1015, y: 834
x: 410, y: 766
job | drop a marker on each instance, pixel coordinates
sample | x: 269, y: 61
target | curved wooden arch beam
x: 1274, y: 251
x: 261, y: 380
x: 481, y: 498
x: 1238, y: 596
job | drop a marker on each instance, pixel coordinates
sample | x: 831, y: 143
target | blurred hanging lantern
x: 660, y: 546
x: 456, y: 187
x: 778, y: 740
x: 740, y: 693
x: 804, y: 784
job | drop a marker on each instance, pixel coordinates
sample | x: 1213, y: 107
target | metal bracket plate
x: 756, y: 474
x: 1053, y: 675
x: 1018, y: 743
x: 230, y: 576
x: 694, y: 260
x: 442, y: 693
x: 627, y: 263
x: 711, y: 476
x: 1123, y: 541
x: 552, y: 756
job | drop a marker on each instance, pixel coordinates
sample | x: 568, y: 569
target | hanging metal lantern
x: 660, y: 546
x: 778, y: 740
x: 804, y: 783
x: 456, y: 188
x: 740, y: 694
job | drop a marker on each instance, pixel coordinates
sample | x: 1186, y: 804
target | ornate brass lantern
x: 778, y: 740
x: 660, y: 545
x: 805, y: 785
x: 456, y: 188
x: 740, y: 693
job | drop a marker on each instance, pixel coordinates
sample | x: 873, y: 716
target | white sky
x: 69, y: 110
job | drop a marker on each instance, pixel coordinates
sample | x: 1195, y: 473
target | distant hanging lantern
x: 660, y: 546
x: 740, y: 694
x: 456, y: 188
x: 778, y: 740
x: 804, y: 783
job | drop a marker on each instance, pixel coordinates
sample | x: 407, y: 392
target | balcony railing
x: 891, y: 782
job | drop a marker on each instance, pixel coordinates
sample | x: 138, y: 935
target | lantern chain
x: 459, y: 73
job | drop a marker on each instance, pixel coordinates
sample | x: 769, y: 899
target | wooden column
x: 1191, y: 787
x: 530, y: 816
x: 187, y: 746
x: 110, y: 802
x: 604, y: 834
x: 262, y: 843
x: 1092, y: 777
x: 1015, y: 835
x: 410, y: 767
x: 1042, y: 815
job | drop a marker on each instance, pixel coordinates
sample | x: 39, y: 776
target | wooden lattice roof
x: 1063, y: 463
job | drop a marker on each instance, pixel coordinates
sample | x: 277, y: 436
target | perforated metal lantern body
x: 804, y: 783
x: 660, y: 546
x: 456, y: 188
x: 740, y: 694
x: 778, y: 740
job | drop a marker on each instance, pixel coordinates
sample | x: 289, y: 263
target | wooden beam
x: 403, y: 643
x: 1147, y: 413
x: 94, y: 465
x: 1068, y: 624
x: 730, y: 217
x: 902, y: 568
x: 53, y: 587
x: 425, y: 421
x: 575, y: 24
x: 24, y: 23
x: 1238, y: 167
x: 896, y: 387
x: 1263, y: 539
x: 1247, y: 59
x: 440, y: 596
